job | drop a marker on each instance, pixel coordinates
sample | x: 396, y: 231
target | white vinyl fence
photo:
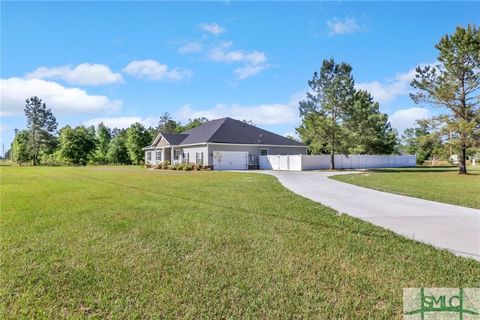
x: 318, y: 162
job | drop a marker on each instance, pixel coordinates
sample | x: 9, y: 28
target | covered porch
x: 160, y: 154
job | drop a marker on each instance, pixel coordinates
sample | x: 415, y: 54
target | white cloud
x: 62, y: 100
x: 121, y: 122
x: 387, y: 91
x: 190, y: 47
x: 263, y: 114
x: 212, y: 28
x: 223, y: 54
x: 154, y: 70
x: 83, y: 74
x: 405, y: 118
x: 253, y: 62
x: 248, y: 71
x: 343, y: 26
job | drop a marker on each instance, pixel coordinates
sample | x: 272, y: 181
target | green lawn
x: 442, y: 184
x: 112, y: 242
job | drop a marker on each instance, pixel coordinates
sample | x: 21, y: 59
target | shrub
x: 187, y: 167
x: 164, y: 164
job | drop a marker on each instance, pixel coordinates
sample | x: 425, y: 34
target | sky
x: 125, y: 62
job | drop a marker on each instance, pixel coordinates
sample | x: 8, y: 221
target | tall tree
x: 104, y: 136
x: 137, y: 138
x: 454, y: 83
x: 19, y: 148
x: 77, y: 144
x: 326, y: 107
x: 41, y: 125
x: 167, y: 124
x: 117, y: 149
x: 369, y: 129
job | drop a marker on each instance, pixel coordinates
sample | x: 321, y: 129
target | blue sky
x: 121, y: 62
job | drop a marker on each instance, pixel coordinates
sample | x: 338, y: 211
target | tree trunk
x: 462, y: 169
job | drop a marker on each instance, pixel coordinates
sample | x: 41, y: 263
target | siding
x: 255, y: 150
x: 192, y: 153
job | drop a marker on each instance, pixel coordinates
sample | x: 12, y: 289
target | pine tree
x: 453, y: 83
x: 326, y: 107
x: 41, y: 125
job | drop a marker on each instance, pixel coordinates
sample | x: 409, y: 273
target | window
x: 186, y: 157
x: 199, y: 156
x: 176, y: 155
x: 263, y: 152
x: 149, y: 156
x: 158, y: 155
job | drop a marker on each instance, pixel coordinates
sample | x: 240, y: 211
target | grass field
x: 442, y: 184
x: 113, y: 242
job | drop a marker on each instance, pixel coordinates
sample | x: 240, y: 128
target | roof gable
x: 174, y: 138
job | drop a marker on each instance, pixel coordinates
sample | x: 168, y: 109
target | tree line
x: 337, y: 118
x: 41, y: 143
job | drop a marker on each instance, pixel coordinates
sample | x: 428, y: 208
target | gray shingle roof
x: 228, y: 130
x: 174, y: 138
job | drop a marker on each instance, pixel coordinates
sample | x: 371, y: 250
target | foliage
x: 41, y: 125
x: 19, y: 148
x: 192, y: 123
x: 117, y: 149
x: 326, y: 107
x: 104, y: 136
x: 369, y: 129
x: 453, y: 83
x: 77, y: 144
x: 137, y: 138
x: 338, y: 119
x: 425, y: 141
x: 182, y: 166
x: 52, y: 159
x: 167, y: 125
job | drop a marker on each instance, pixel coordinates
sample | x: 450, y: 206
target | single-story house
x: 225, y: 144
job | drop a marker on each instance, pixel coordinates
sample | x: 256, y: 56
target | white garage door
x: 230, y: 160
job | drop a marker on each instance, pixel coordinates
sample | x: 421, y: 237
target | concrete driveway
x: 445, y: 226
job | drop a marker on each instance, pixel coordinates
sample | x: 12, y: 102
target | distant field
x: 442, y: 184
x: 124, y: 242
